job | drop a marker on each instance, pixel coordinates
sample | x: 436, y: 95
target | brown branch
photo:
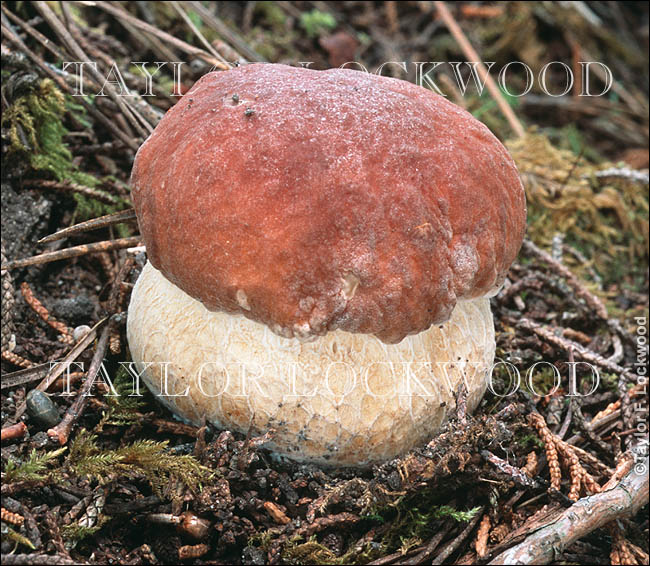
x: 143, y: 111
x: 584, y: 428
x: 228, y: 34
x: 517, y: 474
x: 38, y: 559
x: 472, y: 55
x: 70, y: 187
x: 14, y: 432
x: 196, y: 31
x: 61, y: 432
x: 580, y: 351
x: 52, y: 376
x: 20, y: 377
x: 452, y: 546
x: 122, y: 15
x: 546, y: 544
x: 35, y: 34
x: 426, y: 552
x: 94, y: 224
x: 131, y: 114
x: 592, y: 301
x: 76, y: 251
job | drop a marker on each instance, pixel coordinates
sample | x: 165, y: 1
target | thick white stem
x: 340, y: 399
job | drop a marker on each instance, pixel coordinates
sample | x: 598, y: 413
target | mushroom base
x: 340, y: 399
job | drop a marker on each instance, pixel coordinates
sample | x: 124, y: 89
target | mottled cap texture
x: 318, y: 200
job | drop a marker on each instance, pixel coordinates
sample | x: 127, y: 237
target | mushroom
x: 322, y: 248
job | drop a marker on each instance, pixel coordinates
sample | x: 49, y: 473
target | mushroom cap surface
x: 312, y: 201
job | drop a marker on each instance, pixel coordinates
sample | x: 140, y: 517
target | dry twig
x: 124, y: 16
x: 581, y: 291
x: 580, y: 351
x: 38, y: 560
x: 61, y: 432
x: 480, y: 544
x: 64, y: 365
x: 452, y: 546
x: 94, y: 224
x: 76, y: 251
x: 68, y: 186
x: 484, y: 74
x: 132, y: 115
x: 14, y: 432
x: 546, y: 544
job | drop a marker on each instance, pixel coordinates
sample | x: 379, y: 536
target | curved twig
x: 589, y: 513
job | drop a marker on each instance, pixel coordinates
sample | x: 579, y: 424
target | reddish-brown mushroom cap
x: 320, y: 200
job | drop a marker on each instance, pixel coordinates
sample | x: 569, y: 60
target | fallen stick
x: 37, y: 559
x: 472, y: 55
x: 124, y: 16
x: 592, y: 300
x: 14, y: 432
x: 64, y: 365
x: 546, y: 333
x: 94, y: 224
x: 452, y: 546
x: 61, y: 432
x: 76, y: 251
x: 546, y: 544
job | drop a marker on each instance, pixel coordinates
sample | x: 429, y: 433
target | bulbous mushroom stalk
x: 322, y: 244
x: 344, y: 399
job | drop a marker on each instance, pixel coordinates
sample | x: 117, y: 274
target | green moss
x: 316, y: 23
x: 609, y: 381
x: 142, y: 459
x: 313, y: 552
x: 8, y: 534
x: 544, y: 381
x: 310, y: 552
x: 606, y: 220
x: 36, y: 135
x: 124, y: 407
x: 528, y: 441
x: 403, y: 523
x: 271, y: 15
x: 74, y: 532
x: 417, y: 520
x: 35, y: 127
x: 35, y: 468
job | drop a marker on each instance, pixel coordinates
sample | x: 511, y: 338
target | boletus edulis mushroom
x: 322, y: 247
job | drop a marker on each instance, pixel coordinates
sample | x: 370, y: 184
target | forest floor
x: 102, y: 479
